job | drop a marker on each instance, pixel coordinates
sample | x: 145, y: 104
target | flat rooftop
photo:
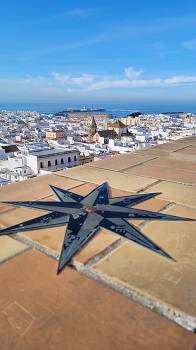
x: 114, y: 294
x: 50, y: 152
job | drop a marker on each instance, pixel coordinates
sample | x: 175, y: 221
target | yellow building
x: 53, y: 135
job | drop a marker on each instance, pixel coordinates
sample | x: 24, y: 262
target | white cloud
x: 85, y: 78
x: 124, y: 83
x: 130, y: 72
x: 190, y: 45
x: 61, y: 78
x: 64, y: 79
x: 181, y: 79
x: 83, y: 83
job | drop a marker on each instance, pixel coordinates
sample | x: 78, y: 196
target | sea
x: 117, y: 110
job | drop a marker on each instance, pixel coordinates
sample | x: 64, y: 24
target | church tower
x: 92, y: 128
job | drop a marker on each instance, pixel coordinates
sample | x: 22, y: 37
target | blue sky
x: 98, y: 51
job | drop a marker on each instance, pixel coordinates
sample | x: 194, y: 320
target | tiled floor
x: 174, y: 164
x: 164, y: 173
x: 39, y: 309
x: 114, y: 178
x: 170, y: 282
x: 120, y: 162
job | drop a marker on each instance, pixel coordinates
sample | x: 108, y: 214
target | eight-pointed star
x: 83, y: 216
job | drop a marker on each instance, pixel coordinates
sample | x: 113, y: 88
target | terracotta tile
x: 99, y: 243
x: 171, y: 283
x: 173, y: 163
x: 41, y: 310
x: 84, y: 189
x: 115, y: 192
x: 120, y: 162
x: 88, y: 187
x: 10, y: 247
x: 35, y: 188
x: 18, y: 215
x: 51, y: 238
x: 114, y: 179
x: 175, y: 192
x: 4, y: 207
x: 152, y: 204
x: 164, y: 173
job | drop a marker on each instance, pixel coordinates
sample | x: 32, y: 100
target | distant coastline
x: 117, y: 110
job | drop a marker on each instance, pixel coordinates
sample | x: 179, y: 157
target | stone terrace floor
x: 115, y: 294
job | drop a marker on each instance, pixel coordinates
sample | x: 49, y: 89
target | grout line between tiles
x: 187, y: 322
x: 176, y: 316
x: 179, y: 149
x: 14, y: 256
x: 136, y: 165
x: 167, y: 180
x: 149, y: 186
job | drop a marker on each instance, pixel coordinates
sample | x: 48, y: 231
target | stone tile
x: 173, y: 163
x: 171, y: 283
x: 158, y: 172
x: 173, y: 146
x: 189, y: 150
x: 120, y: 162
x: 188, y: 140
x: 41, y: 310
x: 182, y: 156
x: 175, y: 192
x: 10, y: 247
x: 35, y: 188
x: 115, y: 179
x: 154, y: 152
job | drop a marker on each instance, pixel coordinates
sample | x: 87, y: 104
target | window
x: 69, y: 159
x: 41, y: 165
x: 49, y: 163
x: 24, y: 171
x: 75, y: 159
x: 56, y: 163
x: 62, y: 161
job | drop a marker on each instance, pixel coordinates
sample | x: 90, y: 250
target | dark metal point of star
x: 84, y: 216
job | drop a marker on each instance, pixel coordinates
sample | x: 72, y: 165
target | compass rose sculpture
x: 84, y: 216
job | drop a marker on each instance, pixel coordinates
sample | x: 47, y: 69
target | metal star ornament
x: 84, y: 216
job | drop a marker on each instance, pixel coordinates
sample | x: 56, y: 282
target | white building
x: 38, y: 162
x: 51, y: 160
